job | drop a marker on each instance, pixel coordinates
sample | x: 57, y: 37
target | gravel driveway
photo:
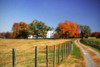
x: 89, y: 61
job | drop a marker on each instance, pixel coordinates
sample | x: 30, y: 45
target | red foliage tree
x: 69, y: 29
x: 6, y: 35
x: 19, y: 28
x: 2, y: 35
x: 96, y: 34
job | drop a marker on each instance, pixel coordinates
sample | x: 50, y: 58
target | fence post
x: 36, y: 56
x: 72, y: 45
x: 47, y: 57
x: 59, y: 54
x: 62, y: 52
x: 65, y: 49
x: 68, y: 49
x: 54, y: 60
x: 14, y: 57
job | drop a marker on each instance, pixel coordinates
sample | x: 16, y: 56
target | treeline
x: 6, y: 35
x: 95, y: 34
x: 23, y: 30
x: 70, y: 29
x: 37, y: 28
x: 10, y: 35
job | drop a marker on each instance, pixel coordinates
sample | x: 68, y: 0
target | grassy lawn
x: 76, y: 53
x: 96, y: 40
x: 94, y: 43
x: 25, y: 51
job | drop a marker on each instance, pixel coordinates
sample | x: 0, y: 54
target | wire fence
x: 50, y: 56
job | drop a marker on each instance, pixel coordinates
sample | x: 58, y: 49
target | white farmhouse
x: 30, y: 37
x: 50, y: 34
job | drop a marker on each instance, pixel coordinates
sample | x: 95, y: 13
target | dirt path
x: 89, y: 60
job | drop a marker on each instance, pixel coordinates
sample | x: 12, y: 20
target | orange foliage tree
x: 68, y: 29
x: 20, y: 30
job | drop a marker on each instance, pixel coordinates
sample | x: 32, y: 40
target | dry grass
x: 22, y: 45
x: 25, y: 51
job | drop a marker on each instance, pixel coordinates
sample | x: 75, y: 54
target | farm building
x: 30, y: 37
x: 50, y: 34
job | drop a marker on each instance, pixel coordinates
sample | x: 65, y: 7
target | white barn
x: 50, y: 34
x: 30, y: 37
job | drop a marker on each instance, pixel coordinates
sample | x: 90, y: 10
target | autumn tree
x: 85, y: 31
x: 2, y: 35
x: 6, y: 35
x: 20, y: 30
x: 95, y: 34
x: 38, y: 28
x: 68, y: 29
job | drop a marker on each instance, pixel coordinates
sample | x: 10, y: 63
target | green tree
x: 7, y: 35
x: 32, y: 28
x: 38, y: 28
x: 58, y: 32
x: 85, y: 30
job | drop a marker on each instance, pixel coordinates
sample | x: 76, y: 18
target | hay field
x: 25, y: 51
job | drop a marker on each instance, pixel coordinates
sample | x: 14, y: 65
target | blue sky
x: 84, y: 12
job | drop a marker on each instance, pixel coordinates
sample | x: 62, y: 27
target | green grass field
x: 96, y: 40
x: 76, y: 52
x: 94, y: 43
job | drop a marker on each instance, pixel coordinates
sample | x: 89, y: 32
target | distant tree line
x: 6, y: 35
x: 36, y: 28
x: 95, y: 34
x: 22, y: 30
x: 70, y: 29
